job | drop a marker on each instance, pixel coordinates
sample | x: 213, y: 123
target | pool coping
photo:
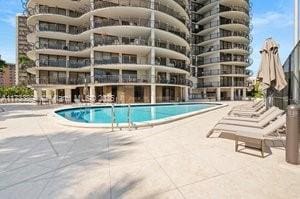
x: 64, y: 121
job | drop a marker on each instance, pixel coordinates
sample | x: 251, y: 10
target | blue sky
x: 271, y: 18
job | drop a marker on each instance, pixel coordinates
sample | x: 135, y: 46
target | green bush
x: 257, y: 91
x: 15, y: 90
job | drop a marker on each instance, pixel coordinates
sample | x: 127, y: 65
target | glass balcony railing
x: 67, y: 47
x: 221, y: 84
x: 224, y: 72
x: 224, y: 59
x: 225, y: 9
x: 225, y: 47
x: 222, y: 35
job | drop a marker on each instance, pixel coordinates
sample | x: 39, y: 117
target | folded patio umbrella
x: 271, y: 72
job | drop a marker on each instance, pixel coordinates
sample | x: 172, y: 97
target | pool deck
x: 40, y: 158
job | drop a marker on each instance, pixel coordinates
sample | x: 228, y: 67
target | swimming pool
x: 136, y: 114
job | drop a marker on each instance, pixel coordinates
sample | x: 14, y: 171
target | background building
x: 22, y: 47
x: 7, y: 76
x: 220, y: 48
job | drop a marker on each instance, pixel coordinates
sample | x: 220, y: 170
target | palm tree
x: 24, y: 61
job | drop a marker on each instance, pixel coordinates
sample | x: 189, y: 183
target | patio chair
x: 256, y: 117
x: 250, y: 109
x: 260, y: 124
x: 254, y: 133
x: 250, y: 105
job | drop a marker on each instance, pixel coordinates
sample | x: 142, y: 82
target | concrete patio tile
x: 23, y: 174
x: 78, y: 181
x: 125, y: 151
x: 140, y: 180
x: 162, y: 145
x: 186, y: 168
x: 29, y: 189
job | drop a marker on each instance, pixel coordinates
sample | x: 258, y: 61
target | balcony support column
x: 204, y: 93
x: 186, y: 94
x: 120, y: 75
x: 68, y: 93
x: 67, y: 77
x: 232, y: 94
x: 218, y: 94
x: 92, y: 55
x: 92, y: 94
x: 152, y: 58
x: 37, y: 94
x: 54, y: 100
x: 244, y: 93
x: 92, y: 2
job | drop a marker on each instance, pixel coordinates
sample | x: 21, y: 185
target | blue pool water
x: 143, y: 113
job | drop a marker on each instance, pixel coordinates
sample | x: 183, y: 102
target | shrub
x: 15, y: 90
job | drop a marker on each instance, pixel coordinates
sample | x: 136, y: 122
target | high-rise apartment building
x: 220, y: 43
x: 139, y: 50
x: 22, y: 47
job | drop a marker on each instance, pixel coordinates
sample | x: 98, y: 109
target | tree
x: 2, y: 64
x: 24, y: 61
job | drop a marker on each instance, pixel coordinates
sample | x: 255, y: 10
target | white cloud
x: 274, y: 19
x: 10, y: 20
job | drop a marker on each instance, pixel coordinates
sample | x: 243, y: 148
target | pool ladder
x: 113, y: 117
x: 130, y: 123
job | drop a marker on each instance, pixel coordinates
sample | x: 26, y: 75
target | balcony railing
x: 225, y: 34
x: 78, y: 64
x: 67, y: 47
x: 43, y: 9
x: 61, y: 81
x: 227, y: 9
x: 224, y: 59
x: 122, y: 22
x: 123, y: 41
x: 221, y: 84
x: 114, y: 3
x: 175, y: 81
x: 224, y: 72
x: 64, y: 63
x: 225, y: 47
x: 103, y: 79
x: 169, y: 28
x: 139, y: 3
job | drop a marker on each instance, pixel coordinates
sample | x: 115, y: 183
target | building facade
x: 136, y: 51
x: 7, y: 76
x: 22, y: 47
x: 140, y: 50
x: 220, y: 48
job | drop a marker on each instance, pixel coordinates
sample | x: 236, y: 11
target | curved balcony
x: 221, y: 84
x: 220, y: 72
x: 182, y: 3
x: 174, y: 81
x: 225, y: 12
x: 111, y: 79
x: 230, y: 36
x: 101, y: 43
x: 104, y: 24
x: 143, y: 4
x: 64, y: 63
x: 223, y: 24
x: 66, y: 47
x: 233, y: 48
x: 228, y: 60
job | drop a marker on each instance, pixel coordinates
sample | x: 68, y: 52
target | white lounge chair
x: 254, y: 133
